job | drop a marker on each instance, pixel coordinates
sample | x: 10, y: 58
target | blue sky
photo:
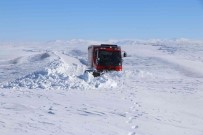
x: 100, y: 19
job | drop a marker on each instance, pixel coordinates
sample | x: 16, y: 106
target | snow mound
x: 27, y: 59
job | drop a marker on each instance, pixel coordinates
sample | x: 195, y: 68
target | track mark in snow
x: 89, y: 113
x: 51, y: 110
x: 135, y: 127
x: 133, y: 114
x: 132, y: 133
x: 46, y: 123
x: 2, y: 124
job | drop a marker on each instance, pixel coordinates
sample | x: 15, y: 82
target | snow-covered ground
x: 44, y: 91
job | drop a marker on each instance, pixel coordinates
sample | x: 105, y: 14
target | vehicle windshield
x: 109, y: 58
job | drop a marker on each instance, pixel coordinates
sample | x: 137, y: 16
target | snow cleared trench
x: 188, y: 68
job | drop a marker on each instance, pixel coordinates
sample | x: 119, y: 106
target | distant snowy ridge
x: 176, y: 41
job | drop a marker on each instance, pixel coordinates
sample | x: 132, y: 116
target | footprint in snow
x: 132, y: 133
x: 135, y: 127
x: 50, y: 112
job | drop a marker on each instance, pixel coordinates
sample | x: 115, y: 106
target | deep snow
x: 44, y: 90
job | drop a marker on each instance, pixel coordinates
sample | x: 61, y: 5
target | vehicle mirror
x: 124, y: 54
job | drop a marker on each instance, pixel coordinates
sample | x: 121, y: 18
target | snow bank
x: 51, y: 76
x: 57, y: 74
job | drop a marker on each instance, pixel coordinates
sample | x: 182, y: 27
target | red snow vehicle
x: 104, y: 57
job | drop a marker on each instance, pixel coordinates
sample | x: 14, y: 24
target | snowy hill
x: 44, y: 90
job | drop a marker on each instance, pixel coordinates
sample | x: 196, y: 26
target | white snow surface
x: 44, y: 90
